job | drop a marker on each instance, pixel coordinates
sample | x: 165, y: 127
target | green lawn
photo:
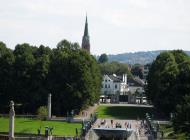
x: 25, y: 125
x: 122, y: 112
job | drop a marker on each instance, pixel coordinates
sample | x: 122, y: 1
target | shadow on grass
x: 123, y: 112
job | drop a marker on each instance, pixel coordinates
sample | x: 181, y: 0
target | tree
x: 103, y: 58
x: 160, y: 81
x: 28, y: 74
x: 168, y: 80
x: 137, y: 70
x: 39, y: 74
x: 6, y: 72
x: 181, y: 120
x: 42, y: 112
x: 24, y: 92
x: 114, y: 67
x: 74, y: 78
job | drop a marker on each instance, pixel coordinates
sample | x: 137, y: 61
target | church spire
x: 86, y: 38
x: 86, y: 27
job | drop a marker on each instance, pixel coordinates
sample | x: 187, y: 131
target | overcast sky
x: 115, y: 26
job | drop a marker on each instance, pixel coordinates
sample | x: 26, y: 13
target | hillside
x: 137, y: 57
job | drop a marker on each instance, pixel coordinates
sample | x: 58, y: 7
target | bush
x: 42, y: 112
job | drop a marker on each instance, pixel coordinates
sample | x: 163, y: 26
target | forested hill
x: 137, y: 57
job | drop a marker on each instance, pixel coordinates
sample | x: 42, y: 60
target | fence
x: 4, y: 137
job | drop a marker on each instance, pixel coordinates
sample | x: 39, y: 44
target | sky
x: 115, y: 26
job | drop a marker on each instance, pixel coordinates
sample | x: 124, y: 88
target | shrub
x: 42, y: 112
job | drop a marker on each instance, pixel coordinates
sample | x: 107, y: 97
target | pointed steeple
x: 86, y: 38
x: 86, y: 27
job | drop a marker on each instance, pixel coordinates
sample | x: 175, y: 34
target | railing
x: 4, y: 137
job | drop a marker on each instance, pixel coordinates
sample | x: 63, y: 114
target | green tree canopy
x: 7, y: 60
x: 137, y: 70
x: 168, y: 80
x: 74, y: 78
x: 181, y: 119
x: 103, y: 58
x: 114, y: 67
x: 29, y: 73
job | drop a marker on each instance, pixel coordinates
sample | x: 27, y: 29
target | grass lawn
x: 122, y: 112
x: 30, y: 126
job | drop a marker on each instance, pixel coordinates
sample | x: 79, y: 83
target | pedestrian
x: 111, y: 123
x: 125, y: 124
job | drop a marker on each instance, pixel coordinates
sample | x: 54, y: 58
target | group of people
x: 141, y: 126
x: 127, y: 125
x: 84, y: 113
x: 103, y: 123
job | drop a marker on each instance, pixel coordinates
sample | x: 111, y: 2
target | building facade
x: 113, y: 86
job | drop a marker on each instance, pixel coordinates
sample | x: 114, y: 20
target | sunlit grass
x: 30, y: 126
x: 122, y: 112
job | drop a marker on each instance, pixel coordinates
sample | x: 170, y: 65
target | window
x: 109, y: 86
x: 106, y: 80
x: 115, y: 86
x: 105, y: 86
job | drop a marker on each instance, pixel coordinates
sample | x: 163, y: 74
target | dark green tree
x: 103, y: 58
x: 137, y: 70
x: 6, y: 73
x: 168, y: 80
x: 23, y: 67
x: 28, y: 74
x: 114, y: 67
x: 39, y: 75
x: 181, y: 120
x: 74, y: 78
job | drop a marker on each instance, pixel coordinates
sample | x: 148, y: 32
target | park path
x: 85, y: 114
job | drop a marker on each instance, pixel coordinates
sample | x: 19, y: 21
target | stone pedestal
x: 11, y: 121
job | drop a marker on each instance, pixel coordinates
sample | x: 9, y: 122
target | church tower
x: 86, y: 38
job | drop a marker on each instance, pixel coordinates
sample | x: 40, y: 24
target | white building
x: 113, y: 86
x: 136, y: 90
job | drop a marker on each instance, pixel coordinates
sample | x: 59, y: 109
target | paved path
x: 85, y: 114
